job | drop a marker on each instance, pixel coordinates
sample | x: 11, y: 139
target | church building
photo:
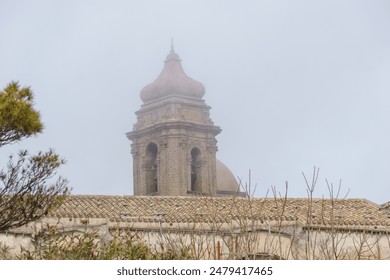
x: 174, y: 140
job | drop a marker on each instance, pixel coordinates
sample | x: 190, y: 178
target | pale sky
x: 292, y: 84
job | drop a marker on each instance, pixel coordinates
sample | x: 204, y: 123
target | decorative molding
x: 183, y: 143
x: 163, y: 143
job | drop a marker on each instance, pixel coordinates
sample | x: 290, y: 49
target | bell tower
x: 174, y: 146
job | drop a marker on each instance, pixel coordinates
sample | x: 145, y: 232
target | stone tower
x: 174, y: 146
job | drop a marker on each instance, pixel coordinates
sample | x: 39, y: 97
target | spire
x: 172, y: 55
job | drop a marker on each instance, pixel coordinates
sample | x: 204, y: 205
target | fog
x: 292, y: 84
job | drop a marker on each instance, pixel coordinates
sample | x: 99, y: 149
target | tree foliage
x: 18, y: 118
x: 28, y: 187
x: 76, y: 245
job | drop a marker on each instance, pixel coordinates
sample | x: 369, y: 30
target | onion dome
x: 172, y: 82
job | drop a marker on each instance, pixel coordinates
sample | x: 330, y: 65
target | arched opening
x: 151, y: 169
x: 195, y: 171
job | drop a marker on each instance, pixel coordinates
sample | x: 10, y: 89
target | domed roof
x: 226, y: 181
x: 172, y: 81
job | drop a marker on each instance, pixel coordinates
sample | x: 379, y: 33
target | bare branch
x: 28, y: 190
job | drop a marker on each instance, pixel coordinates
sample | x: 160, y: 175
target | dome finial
x: 172, y: 48
x: 172, y: 55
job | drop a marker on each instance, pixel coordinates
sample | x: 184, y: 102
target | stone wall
x: 219, y: 240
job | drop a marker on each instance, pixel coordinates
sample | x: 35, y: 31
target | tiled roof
x: 386, y: 206
x: 346, y: 212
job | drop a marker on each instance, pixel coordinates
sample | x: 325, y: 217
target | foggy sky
x: 292, y: 84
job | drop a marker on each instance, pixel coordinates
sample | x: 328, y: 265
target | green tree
x: 18, y: 118
x: 29, y: 185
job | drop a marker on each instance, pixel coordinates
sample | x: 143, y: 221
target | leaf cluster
x: 54, y: 245
x: 18, y: 118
